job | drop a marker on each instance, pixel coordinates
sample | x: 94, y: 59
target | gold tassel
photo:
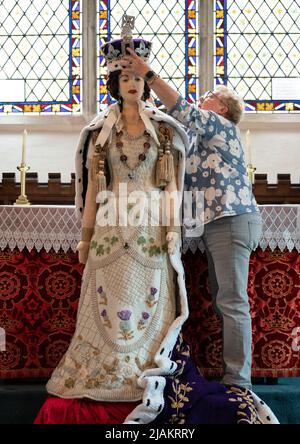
x: 159, y: 172
x: 164, y: 165
x: 96, y: 170
x: 168, y: 166
x: 101, y: 179
x: 93, y: 169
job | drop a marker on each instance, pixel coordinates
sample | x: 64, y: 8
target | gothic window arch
x: 257, y: 52
x: 171, y: 25
x: 40, y: 53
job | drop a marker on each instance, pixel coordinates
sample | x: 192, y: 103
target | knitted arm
x: 173, y: 227
x: 171, y: 189
x: 88, y: 218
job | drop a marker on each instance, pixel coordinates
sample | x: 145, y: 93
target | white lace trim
x: 56, y: 227
x: 39, y: 227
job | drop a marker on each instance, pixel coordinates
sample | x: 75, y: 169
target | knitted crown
x: 114, y: 50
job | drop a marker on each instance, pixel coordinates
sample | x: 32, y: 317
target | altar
x: 40, y: 280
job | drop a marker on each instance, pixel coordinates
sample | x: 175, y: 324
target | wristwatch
x: 148, y: 76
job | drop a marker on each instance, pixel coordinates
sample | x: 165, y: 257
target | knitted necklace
x: 141, y: 156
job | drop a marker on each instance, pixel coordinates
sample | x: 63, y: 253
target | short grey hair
x: 233, y: 101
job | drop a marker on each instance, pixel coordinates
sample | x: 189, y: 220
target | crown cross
x: 127, y: 27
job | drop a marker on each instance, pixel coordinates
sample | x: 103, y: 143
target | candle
x: 24, y: 146
x: 248, y: 147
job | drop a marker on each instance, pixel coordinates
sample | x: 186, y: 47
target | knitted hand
x: 83, y: 251
x: 172, y: 239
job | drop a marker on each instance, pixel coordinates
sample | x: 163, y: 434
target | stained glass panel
x: 257, y: 52
x: 171, y: 25
x: 40, y: 53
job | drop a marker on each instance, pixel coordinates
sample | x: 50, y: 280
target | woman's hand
x: 135, y: 64
x: 83, y: 251
x: 172, y: 239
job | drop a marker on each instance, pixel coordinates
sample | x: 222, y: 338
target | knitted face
x: 131, y: 87
x: 113, y: 86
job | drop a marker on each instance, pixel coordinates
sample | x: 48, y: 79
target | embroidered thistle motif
x: 102, y: 296
x: 151, y: 298
x: 106, y: 322
x: 143, y: 321
x: 125, y: 324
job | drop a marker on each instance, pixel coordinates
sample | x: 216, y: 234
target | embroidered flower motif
x: 69, y: 383
x: 107, y: 322
x: 125, y: 325
x: 143, y: 322
x: 150, y: 299
x: 102, y: 296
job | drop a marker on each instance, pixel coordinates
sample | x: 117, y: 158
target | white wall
x: 276, y: 152
x: 46, y: 152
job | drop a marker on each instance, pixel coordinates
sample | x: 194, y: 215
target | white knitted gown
x: 127, y: 301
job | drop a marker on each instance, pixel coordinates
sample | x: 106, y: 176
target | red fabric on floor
x: 83, y: 411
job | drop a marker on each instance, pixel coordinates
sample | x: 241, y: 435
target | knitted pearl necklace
x: 141, y: 156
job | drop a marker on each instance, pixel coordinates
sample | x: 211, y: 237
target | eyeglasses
x: 211, y: 94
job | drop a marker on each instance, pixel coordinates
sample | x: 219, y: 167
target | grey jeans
x: 229, y: 242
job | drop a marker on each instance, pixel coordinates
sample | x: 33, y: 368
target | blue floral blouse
x: 215, y: 163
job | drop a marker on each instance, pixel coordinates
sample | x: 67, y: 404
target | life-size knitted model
x: 127, y: 347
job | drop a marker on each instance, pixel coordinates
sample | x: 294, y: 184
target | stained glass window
x: 40, y: 53
x: 257, y: 52
x: 171, y: 25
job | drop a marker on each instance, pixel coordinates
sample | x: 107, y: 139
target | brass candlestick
x: 250, y: 172
x: 22, y: 199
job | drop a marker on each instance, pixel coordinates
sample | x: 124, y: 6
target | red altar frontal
x: 40, y: 280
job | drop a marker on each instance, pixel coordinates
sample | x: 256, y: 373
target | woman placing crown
x: 127, y: 361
